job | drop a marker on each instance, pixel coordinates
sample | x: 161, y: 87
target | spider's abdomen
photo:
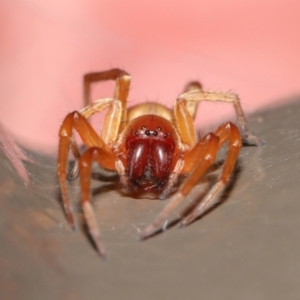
x: 150, y: 149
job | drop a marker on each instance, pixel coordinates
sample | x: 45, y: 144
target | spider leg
x: 225, y: 132
x: 85, y: 164
x: 200, y: 95
x: 207, y: 150
x: 109, y: 130
x: 122, y: 87
x: 90, y: 138
x: 112, y: 119
x: 73, y: 174
x: 184, y: 123
x: 110, y: 125
x: 192, y: 105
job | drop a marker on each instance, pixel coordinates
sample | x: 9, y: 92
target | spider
x: 149, y: 146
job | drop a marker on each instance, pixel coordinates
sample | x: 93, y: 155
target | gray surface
x: 245, y: 248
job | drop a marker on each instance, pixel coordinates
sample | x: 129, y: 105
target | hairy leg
x: 199, y: 95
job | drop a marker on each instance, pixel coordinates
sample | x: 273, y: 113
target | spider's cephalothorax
x: 149, y: 146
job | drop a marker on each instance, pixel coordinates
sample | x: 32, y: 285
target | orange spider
x: 149, y: 146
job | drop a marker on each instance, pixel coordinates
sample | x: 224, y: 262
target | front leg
x: 75, y: 121
x: 226, y: 132
x: 85, y: 165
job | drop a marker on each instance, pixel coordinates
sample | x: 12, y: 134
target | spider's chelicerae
x: 149, y: 146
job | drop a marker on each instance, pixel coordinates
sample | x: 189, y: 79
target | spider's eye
x: 147, y: 132
x: 154, y: 133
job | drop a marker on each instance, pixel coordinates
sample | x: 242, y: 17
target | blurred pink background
x: 249, y: 47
